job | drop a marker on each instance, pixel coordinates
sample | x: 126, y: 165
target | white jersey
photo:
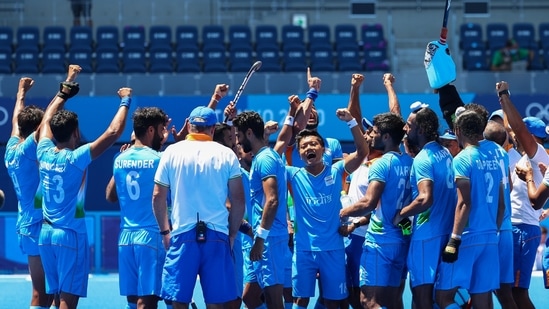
x: 357, y: 189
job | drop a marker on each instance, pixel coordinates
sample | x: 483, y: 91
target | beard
x: 246, y: 146
x: 156, y: 143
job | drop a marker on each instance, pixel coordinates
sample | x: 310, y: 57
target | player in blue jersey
x: 478, y: 216
x: 63, y: 239
x: 496, y: 139
x: 383, y: 259
x: 140, y: 251
x: 433, y: 204
x: 267, y: 192
x: 21, y: 163
x: 318, y: 245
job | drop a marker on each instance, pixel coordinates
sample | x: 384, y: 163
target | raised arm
x: 115, y: 129
x: 220, y: 92
x: 286, y: 133
x: 25, y: 84
x: 394, y: 104
x: 354, y: 99
x: 303, y: 114
x: 353, y: 160
x: 522, y: 134
x: 110, y: 191
x: 68, y: 89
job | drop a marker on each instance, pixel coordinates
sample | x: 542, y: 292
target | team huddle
x: 263, y: 224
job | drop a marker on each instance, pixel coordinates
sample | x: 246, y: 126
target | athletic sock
x: 295, y: 306
x: 288, y: 305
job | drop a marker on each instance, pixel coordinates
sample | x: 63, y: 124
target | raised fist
x: 73, y: 71
x: 25, y: 84
x: 388, y: 79
x: 356, y: 80
x: 221, y: 90
x: 125, y: 92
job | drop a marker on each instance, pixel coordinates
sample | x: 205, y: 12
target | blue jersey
x: 63, y: 177
x: 393, y: 169
x: 484, y: 173
x: 246, y: 240
x: 267, y: 163
x: 434, y: 163
x: 317, y: 206
x: 133, y: 173
x: 332, y: 151
x: 22, y: 166
x: 501, y: 155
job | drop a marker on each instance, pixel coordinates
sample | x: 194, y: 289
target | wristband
x: 504, y: 92
x: 352, y: 123
x: 312, y: 94
x: 229, y: 123
x: 262, y: 233
x: 62, y: 95
x: 126, y: 101
x: 165, y: 232
x: 216, y: 97
x: 289, y: 121
x: 456, y: 236
x: 529, y: 180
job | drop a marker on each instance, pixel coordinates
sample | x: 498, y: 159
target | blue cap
x: 203, y: 116
x: 417, y: 105
x: 497, y: 113
x: 366, y: 123
x: 536, y: 127
x: 448, y: 134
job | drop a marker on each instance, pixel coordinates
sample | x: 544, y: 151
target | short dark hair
x: 479, y: 109
x: 470, y: 125
x: 307, y: 132
x: 29, y: 119
x: 220, y: 128
x: 392, y: 124
x: 144, y: 117
x: 495, y: 132
x: 427, y: 120
x: 250, y: 120
x: 63, y: 124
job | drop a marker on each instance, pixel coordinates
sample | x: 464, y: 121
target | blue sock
x: 453, y: 306
x: 131, y: 306
x: 290, y: 306
x: 295, y: 306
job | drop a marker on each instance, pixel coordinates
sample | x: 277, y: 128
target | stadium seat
x: 497, y: 35
x: 322, y: 59
x: 161, y: 60
x: 5, y: 62
x: 372, y: 36
x: 269, y: 56
x: 28, y: 37
x: 294, y: 59
x: 292, y: 36
x: 240, y: 59
x: 215, y: 59
x: 53, y: 61
x: 186, y: 37
x: 240, y: 36
x: 133, y: 37
x: 107, y: 37
x: 55, y: 38
x: 160, y: 37
x: 348, y: 59
x: 83, y: 57
x: 543, y: 30
x: 470, y: 36
x: 106, y: 60
x: 133, y: 60
x: 474, y: 59
x: 345, y: 35
x: 188, y: 59
x: 266, y: 36
x: 537, y: 61
x: 81, y: 37
x: 375, y: 59
x: 525, y: 35
x: 26, y: 60
x: 213, y: 36
x: 6, y: 39
x: 319, y: 36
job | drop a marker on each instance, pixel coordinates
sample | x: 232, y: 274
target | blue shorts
x: 211, y: 260
x: 424, y: 258
x: 140, y: 260
x: 505, y: 249
x: 354, y: 252
x: 288, y: 269
x: 238, y: 260
x: 65, y: 257
x: 477, y: 266
x: 384, y: 264
x: 526, y: 240
x: 331, y: 267
x: 271, y: 269
x: 545, y: 264
x: 28, y: 238
x: 249, y: 273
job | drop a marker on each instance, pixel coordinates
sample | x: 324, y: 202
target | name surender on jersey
x: 134, y: 164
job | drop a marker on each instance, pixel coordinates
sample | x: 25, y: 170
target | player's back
x: 133, y: 173
x: 434, y: 163
x: 21, y: 163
